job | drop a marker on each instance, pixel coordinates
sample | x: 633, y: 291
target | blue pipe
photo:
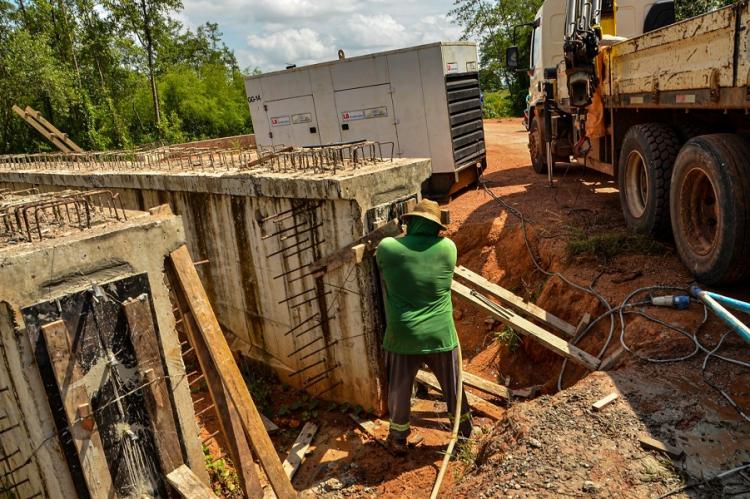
x: 730, y: 302
x: 724, y: 314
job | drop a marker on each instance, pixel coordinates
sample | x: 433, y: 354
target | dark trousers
x: 402, y: 369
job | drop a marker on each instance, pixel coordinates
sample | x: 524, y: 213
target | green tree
x: 685, y: 9
x: 495, y: 24
x: 149, y: 22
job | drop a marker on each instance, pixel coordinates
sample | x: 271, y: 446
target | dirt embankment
x: 576, y: 229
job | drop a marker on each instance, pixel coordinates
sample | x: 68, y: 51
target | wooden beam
x: 516, y: 302
x: 229, y: 419
x: 63, y: 137
x: 604, y: 402
x: 485, y: 385
x: 299, y: 448
x: 151, y: 368
x: 354, y: 252
x: 653, y: 444
x: 187, y: 484
x: 481, y: 405
x: 39, y: 128
x: 527, y: 328
x: 216, y: 343
x: 87, y: 442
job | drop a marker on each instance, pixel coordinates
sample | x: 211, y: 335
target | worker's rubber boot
x: 396, y: 446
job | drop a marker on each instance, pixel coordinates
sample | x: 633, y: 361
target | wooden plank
x: 604, y: 402
x: 610, y: 361
x: 187, y: 484
x: 353, y: 252
x: 39, y: 128
x: 651, y: 443
x: 475, y: 402
x: 299, y: 448
x: 515, y: 301
x: 151, y: 367
x: 370, y: 427
x: 88, y: 443
x: 63, y: 137
x: 485, y: 385
x: 521, y: 325
x: 229, y: 419
x: 209, y: 330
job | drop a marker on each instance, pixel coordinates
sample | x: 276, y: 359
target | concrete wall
x: 34, y: 272
x: 252, y: 281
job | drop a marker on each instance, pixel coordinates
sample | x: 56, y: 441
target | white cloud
x: 271, y: 33
x: 290, y: 45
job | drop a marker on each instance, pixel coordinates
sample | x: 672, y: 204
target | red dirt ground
x: 554, y: 445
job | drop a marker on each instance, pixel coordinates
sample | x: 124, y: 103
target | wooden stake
x: 216, y: 343
x: 485, y: 385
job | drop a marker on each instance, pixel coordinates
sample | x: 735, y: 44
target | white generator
x: 424, y: 100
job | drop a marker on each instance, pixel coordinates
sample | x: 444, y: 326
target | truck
x: 420, y: 102
x: 663, y: 107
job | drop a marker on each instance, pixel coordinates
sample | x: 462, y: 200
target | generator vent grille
x: 465, y: 115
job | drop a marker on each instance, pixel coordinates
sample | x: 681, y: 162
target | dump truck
x: 661, y: 106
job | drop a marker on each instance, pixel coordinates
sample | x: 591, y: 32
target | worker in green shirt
x: 418, y: 270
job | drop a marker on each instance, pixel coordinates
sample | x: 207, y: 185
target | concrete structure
x: 50, y: 283
x: 421, y: 101
x: 257, y: 234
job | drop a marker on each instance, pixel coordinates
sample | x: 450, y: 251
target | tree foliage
x: 89, y: 67
x: 685, y: 9
x: 499, y: 25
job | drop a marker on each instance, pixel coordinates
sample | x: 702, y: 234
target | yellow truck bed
x: 701, y: 62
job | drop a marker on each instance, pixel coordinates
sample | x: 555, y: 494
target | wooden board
x: 188, y: 485
x: 653, y: 444
x: 63, y: 137
x: 354, y: 251
x: 216, y: 343
x: 88, y: 443
x: 604, y: 402
x: 229, y: 419
x: 39, y: 128
x: 527, y: 328
x: 150, y: 366
x: 485, y: 385
x: 523, y: 306
x: 299, y: 448
x: 475, y: 402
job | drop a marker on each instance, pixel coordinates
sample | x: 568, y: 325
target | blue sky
x: 271, y: 33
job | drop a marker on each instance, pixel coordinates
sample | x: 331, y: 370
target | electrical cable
x: 621, y: 311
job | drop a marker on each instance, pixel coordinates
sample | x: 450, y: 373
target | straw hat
x: 428, y: 210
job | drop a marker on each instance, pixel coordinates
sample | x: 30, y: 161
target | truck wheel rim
x: 636, y: 184
x: 700, y: 211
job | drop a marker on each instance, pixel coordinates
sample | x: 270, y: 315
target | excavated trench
x: 497, y: 251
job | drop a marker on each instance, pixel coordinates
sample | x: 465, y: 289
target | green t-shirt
x: 418, y: 269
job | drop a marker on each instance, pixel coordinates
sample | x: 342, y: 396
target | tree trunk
x: 150, y: 52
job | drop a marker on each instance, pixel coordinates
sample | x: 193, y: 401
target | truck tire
x: 644, y: 171
x: 710, y: 207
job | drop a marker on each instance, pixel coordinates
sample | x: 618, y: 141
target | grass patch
x: 610, y: 244
x: 224, y: 479
x: 508, y: 337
